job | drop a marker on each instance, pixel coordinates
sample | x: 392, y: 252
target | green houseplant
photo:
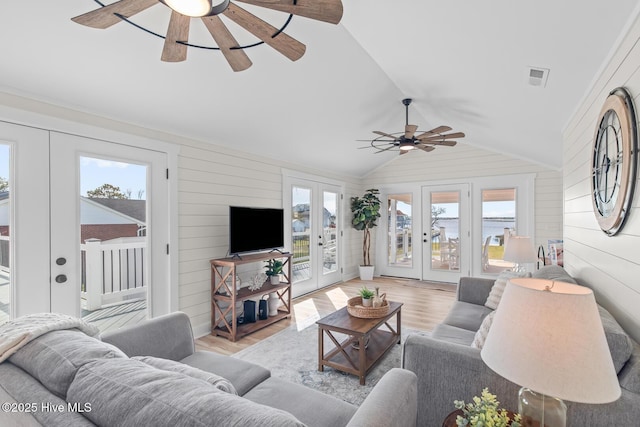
x: 367, y: 296
x: 366, y: 211
x: 273, y: 270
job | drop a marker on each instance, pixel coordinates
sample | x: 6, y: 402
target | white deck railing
x: 113, y: 271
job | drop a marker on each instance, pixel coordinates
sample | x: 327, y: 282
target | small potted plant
x: 367, y: 296
x: 483, y: 411
x: 366, y: 211
x: 273, y: 270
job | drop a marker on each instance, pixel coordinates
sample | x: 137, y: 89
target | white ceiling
x: 463, y: 62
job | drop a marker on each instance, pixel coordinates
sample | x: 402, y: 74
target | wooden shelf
x: 223, y: 285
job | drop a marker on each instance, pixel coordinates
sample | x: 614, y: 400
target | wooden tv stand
x: 223, y: 285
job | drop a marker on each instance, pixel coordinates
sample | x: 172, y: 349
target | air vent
x: 537, y: 76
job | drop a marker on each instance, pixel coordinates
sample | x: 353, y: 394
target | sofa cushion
x: 481, y: 336
x: 452, y: 334
x: 498, y: 287
x: 309, y: 406
x: 242, y: 374
x: 217, y: 381
x: 55, y: 357
x: 127, y: 392
x: 630, y: 374
x: 466, y: 316
x: 620, y: 345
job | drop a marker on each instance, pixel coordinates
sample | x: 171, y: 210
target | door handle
x: 61, y: 278
x: 320, y: 243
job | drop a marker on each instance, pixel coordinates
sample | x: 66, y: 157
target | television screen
x: 255, y: 229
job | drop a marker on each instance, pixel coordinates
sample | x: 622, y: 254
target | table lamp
x: 519, y: 250
x: 547, y: 337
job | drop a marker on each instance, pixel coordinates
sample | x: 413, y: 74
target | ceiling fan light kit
x: 407, y: 141
x: 176, y: 40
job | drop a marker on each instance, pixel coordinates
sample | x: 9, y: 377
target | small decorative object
x: 258, y: 281
x: 367, y: 296
x: 238, y: 284
x: 274, y: 302
x: 378, y: 299
x: 485, y: 411
x: 614, y: 161
x: 274, y: 270
x: 356, y: 309
x: 263, y: 310
x: 366, y: 211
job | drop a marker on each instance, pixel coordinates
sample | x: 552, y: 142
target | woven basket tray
x: 356, y: 309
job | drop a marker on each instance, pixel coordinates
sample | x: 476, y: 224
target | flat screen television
x: 255, y: 229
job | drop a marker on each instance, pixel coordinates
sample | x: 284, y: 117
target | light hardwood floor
x: 425, y: 305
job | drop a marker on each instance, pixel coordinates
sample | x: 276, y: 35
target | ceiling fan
x: 176, y: 39
x: 407, y: 141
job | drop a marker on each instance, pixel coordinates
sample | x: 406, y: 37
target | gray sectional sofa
x: 84, y: 381
x: 449, y: 369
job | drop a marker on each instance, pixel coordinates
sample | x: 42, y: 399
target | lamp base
x: 538, y: 410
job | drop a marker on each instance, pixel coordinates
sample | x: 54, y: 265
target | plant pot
x: 366, y: 272
x: 275, y: 279
x: 367, y: 302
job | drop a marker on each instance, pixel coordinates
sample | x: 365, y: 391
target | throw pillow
x: 217, y: 381
x: 481, y: 336
x: 498, y: 287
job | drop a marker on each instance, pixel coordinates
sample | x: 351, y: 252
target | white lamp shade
x: 519, y: 249
x: 552, y: 342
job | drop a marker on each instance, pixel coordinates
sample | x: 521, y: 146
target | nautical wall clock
x: 613, y: 161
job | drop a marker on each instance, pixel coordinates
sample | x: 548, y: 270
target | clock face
x: 614, y: 162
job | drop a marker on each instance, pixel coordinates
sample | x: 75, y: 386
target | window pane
x: 329, y: 232
x: 400, y: 242
x: 498, y: 222
x: 301, y: 233
x: 5, y: 242
x: 445, y: 234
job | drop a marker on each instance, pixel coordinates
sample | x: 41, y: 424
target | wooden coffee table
x: 362, y: 334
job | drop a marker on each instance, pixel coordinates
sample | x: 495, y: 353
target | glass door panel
x: 498, y: 223
x: 301, y: 233
x: 445, y: 226
x: 113, y: 240
x: 400, y: 230
x: 329, y: 232
x: 5, y: 234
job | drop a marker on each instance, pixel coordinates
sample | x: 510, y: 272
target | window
x: 498, y: 223
x: 400, y: 238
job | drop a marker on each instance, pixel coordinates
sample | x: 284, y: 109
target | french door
x: 314, y: 233
x: 446, y: 235
x: 77, y: 253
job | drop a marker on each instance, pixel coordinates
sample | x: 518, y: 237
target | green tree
x: 106, y: 191
x: 4, y: 184
x: 435, y: 215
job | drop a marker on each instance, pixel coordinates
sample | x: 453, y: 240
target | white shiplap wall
x: 465, y: 162
x: 210, y: 178
x: 609, y: 265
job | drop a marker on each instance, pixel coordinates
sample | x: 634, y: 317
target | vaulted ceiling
x: 463, y: 62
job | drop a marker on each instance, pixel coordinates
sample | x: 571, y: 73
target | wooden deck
x: 425, y: 305
x: 117, y: 316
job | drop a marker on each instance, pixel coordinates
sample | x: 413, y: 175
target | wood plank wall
x: 210, y: 178
x: 609, y: 265
x: 466, y: 162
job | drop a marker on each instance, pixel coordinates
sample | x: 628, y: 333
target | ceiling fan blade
x: 377, y: 132
x: 454, y: 135
x: 382, y: 150
x: 320, y: 10
x: 426, y: 148
x: 286, y: 45
x: 237, y: 59
x: 445, y: 143
x: 105, y: 17
x: 178, y: 31
x: 409, y: 131
x: 434, y: 131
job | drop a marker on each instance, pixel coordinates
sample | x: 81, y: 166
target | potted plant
x: 367, y: 296
x: 484, y: 410
x: 273, y: 270
x: 366, y: 211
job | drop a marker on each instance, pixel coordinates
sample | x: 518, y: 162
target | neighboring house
x: 107, y: 219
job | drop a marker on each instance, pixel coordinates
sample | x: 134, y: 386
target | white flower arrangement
x: 485, y: 412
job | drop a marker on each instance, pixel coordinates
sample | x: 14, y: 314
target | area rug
x: 293, y: 355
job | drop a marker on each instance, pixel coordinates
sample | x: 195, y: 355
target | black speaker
x: 249, y: 311
x: 263, y: 309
